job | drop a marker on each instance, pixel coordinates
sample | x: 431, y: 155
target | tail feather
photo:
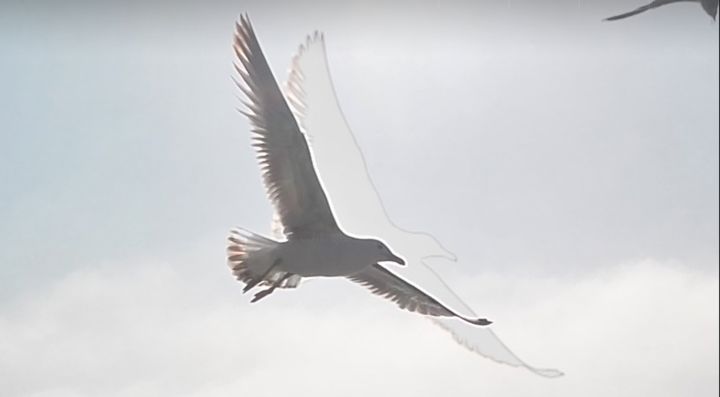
x: 250, y: 255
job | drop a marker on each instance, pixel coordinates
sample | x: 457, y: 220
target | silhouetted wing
x: 282, y: 150
x: 710, y: 7
x: 382, y: 282
x: 654, y: 4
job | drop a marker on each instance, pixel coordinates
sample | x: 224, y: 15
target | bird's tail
x: 252, y: 259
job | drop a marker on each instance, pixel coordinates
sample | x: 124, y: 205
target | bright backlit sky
x: 571, y: 164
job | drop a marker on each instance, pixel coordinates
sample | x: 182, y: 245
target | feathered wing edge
x: 383, y: 282
x: 474, y: 347
x: 293, y: 89
x: 282, y: 151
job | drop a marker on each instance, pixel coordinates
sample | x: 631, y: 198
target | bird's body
x: 709, y: 6
x: 332, y: 255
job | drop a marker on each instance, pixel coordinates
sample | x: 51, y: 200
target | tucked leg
x: 258, y: 280
x: 270, y: 290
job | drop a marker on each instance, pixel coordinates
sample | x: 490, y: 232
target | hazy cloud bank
x: 640, y: 329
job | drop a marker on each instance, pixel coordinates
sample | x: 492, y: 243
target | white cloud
x: 154, y: 330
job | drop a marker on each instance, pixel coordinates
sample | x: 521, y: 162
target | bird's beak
x: 394, y: 258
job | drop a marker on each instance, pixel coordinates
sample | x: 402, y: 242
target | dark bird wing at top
x: 384, y: 283
x: 650, y: 6
x: 710, y: 6
x: 282, y: 150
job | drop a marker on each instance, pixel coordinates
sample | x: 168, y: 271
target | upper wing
x: 654, y: 4
x: 384, y: 283
x: 312, y: 97
x: 282, y: 150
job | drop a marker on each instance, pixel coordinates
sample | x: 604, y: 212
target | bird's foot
x: 262, y: 294
x: 260, y: 279
x: 251, y: 284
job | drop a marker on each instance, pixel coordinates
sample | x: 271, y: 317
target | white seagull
x: 315, y: 246
x: 358, y: 207
x: 710, y: 7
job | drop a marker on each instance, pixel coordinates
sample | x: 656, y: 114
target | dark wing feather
x: 650, y: 6
x: 710, y: 7
x: 282, y: 150
x: 382, y: 282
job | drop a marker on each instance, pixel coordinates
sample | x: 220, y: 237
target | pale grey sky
x: 581, y: 142
x: 535, y: 141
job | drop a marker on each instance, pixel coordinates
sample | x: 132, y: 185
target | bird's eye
x: 379, y: 246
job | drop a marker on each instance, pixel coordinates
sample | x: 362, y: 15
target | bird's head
x: 381, y: 253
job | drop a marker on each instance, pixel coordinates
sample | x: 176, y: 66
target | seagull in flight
x: 710, y: 7
x: 314, y: 245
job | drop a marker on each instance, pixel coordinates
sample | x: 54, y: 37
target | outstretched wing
x: 312, y: 98
x: 282, y: 150
x: 384, y: 283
